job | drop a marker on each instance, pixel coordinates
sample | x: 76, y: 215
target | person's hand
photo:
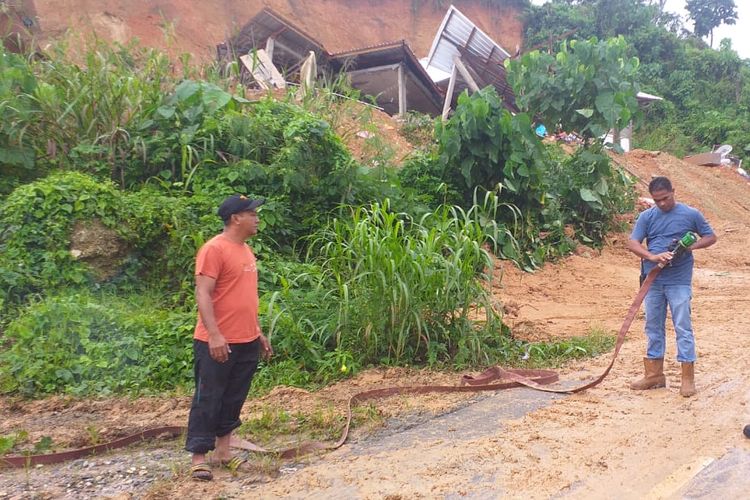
x: 218, y: 348
x: 662, y: 258
x: 265, y: 347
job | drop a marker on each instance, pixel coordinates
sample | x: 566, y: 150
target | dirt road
x: 608, y: 442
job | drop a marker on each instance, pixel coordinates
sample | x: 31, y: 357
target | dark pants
x: 220, y: 392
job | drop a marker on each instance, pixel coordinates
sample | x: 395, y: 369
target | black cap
x: 238, y: 203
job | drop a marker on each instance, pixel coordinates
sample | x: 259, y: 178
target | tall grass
x: 95, y: 102
x: 408, y: 290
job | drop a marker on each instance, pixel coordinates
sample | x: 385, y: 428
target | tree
x: 588, y: 87
x: 709, y: 14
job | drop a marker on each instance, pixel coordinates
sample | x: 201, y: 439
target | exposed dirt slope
x: 196, y: 27
x: 574, y: 296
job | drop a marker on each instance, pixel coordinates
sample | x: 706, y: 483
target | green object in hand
x: 689, y: 238
x: 678, y: 247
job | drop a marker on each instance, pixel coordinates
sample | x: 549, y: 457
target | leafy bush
x: 286, y: 154
x: 37, y: 218
x: 17, y: 84
x: 91, y: 107
x: 590, y: 192
x: 86, y: 344
x: 422, y: 177
x: 486, y: 148
x: 485, y: 145
x: 589, y: 86
x: 182, y: 134
x: 418, y: 129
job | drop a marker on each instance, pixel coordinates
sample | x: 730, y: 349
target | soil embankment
x: 340, y: 25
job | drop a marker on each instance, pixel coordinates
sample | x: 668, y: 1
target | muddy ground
x: 607, y: 442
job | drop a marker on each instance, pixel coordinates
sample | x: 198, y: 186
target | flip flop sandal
x: 201, y: 472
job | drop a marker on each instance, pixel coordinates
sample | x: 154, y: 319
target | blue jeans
x: 656, y: 301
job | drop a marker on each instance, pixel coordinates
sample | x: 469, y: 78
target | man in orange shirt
x: 227, y: 341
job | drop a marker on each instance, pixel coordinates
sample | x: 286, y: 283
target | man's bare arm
x: 703, y: 242
x: 217, y: 344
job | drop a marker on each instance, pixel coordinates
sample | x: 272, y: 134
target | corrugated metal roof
x: 294, y: 44
x: 360, y: 50
x: 458, y: 31
x: 458, y: 36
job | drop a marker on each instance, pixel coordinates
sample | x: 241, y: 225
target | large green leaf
x: 186, y: 89
x: 215, y: 98
x: 589, y: 196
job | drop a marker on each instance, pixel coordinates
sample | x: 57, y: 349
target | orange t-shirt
x: 235, y: 296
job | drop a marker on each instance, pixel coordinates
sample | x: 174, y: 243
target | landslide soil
x: 641, y: 445
x: 197, y: 27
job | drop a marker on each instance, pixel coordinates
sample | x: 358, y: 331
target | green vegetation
x: 709, y: 14
x: 705, y: 91
x: 595, y: 343
x: 19, y: 442
x: 559, y: 87
x: 96, y: 343
x: 274, y: 425
x: 404, y: 289
x: 358, y: 266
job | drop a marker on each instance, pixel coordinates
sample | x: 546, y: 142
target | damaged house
x: 462, y: 56
x: 275, y: 52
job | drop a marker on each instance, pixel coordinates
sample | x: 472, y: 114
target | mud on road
x: 607, y: 442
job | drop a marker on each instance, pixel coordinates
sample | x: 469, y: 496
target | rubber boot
x: 687, y: 388
x: 654, y: 375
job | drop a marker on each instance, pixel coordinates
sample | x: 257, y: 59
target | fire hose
x: 492, y: 379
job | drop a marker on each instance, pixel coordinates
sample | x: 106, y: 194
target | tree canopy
x: 706, y: 93
x: 709, y: 14
x: 589, y: 86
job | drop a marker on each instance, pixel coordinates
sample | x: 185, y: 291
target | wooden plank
x: 269, y: 47
x: 449, y: 93
x: 265, y: 73
x: 374, y: 69
x: 307, y: 74
x: 459, y: 64
x: 401, y: 90
x: 704, y: 159
x: 250, y: 63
